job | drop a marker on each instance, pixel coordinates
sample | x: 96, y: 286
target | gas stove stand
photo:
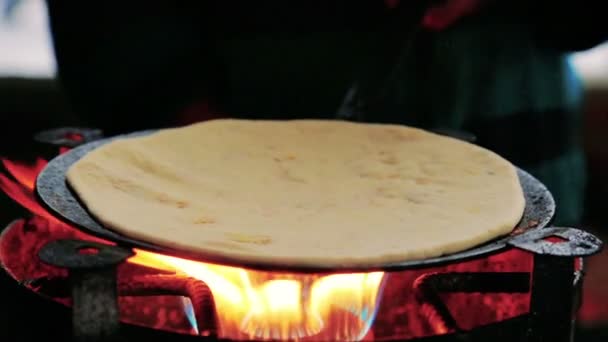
x: 554, y: 284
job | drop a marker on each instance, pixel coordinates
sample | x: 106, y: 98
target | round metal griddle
x: 53, y: 190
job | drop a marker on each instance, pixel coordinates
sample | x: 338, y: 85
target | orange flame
x: 250, y: 304
x: 22, y: 191
x: 25, y: 174
x: 267, y: 305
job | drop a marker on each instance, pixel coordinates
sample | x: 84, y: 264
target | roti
x: 301, y: 192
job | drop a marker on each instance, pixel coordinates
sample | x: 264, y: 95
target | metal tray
x: 53, y: 190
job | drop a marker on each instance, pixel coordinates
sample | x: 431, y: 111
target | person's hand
x: 442, y: 16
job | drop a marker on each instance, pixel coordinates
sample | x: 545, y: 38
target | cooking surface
x: 53, y: 190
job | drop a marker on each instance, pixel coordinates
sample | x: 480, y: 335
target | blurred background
x: 29, y: 95
x: 31, y: 100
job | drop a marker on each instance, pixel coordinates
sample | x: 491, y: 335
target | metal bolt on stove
x: 92, y: 274
x: 68, y: 136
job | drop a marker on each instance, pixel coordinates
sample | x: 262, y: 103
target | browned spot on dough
x: 122, y: 184
x: 285, y: 157
x: 423, y: 181
x: 474, y: 210
x: 387, y: 192
x: 249, y: 239
x: 389, y: 160
x: 285, y: 173
x: 414, y: 199
x: 295, y: 179
x: 204, y: 220
x: 163, y: 198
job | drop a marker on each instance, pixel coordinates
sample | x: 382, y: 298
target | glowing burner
x: 270, y: 305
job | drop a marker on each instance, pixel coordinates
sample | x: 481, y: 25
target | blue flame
x: 369, y: 317
x: 190, y: 315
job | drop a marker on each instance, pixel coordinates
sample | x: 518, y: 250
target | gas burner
x: 524, y: 287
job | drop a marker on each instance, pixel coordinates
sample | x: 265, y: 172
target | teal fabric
x: 490, y: 66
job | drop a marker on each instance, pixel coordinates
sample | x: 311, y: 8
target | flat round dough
x: 301, y: 192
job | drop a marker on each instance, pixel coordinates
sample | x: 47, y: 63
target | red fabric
x: 444, y: 15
